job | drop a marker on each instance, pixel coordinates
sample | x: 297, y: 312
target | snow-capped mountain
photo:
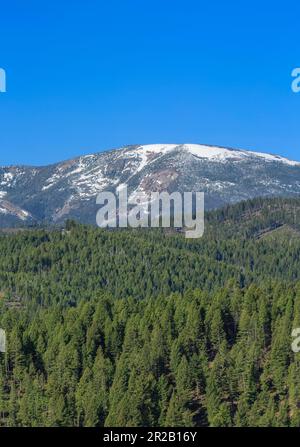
x: 68, y: 189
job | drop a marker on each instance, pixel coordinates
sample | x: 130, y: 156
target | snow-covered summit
x: 68, y: 189
x: 213, y: 153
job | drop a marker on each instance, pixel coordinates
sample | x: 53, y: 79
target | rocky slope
x: 68, y: 189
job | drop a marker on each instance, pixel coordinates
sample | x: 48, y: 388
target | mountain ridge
x: 145, y: 146
x: 55, y: 192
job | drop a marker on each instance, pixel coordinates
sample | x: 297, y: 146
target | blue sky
x: 85, y: 76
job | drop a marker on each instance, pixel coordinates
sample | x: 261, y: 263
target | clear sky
x: 85, y: 76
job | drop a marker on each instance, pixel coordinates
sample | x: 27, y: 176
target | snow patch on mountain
x: 212, y: 153
x: 3, y: 210
x: 274, y: 158
x: 13, y: 210
x: 145, y: 154
x: 215, y: 153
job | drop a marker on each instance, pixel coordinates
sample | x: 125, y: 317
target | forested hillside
x: 147, y: 328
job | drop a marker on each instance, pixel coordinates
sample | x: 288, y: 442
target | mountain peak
x: 214, y: 153
x: 69, y: 189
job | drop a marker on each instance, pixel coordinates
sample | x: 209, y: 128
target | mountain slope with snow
x: 68, y: 189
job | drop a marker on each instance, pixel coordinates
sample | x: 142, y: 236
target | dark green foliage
x: 142, y: 328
